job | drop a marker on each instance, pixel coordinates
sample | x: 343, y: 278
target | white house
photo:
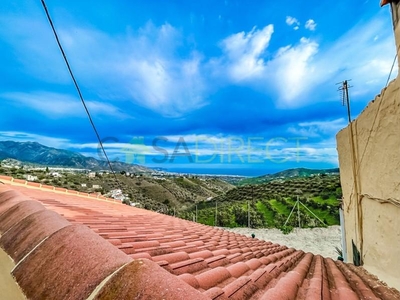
x: 30, y: 177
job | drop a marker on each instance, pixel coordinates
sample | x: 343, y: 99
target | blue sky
x: 233, y: 87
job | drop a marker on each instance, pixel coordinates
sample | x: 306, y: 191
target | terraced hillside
x: 271, y: 203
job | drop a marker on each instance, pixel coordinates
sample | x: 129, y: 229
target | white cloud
x: 291, y: 69
x: 244, y: 52
x: 247, y: 62
x: 311, y: 25
x: 311, y: 66
x: 294, y: 71
x: 142, y: 66
x: 292, y: 21
x: 167, y: 86
x: 55, y: 105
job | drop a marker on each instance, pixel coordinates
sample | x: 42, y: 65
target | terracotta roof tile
x: 189, y: 279
x: 9, y: 198
x: 217, y: 261
x: 173, y: 258
x: 212, y: 277
x: 238, y: 269
x: 216, y: 293
x: 242, y: 288
x: 201, y: 254
x: 254, y: 263
x: 30, y: 232
x: 18, y: 212
x: 132, y: 282
x: 69, y: 264
x: 188, y: 266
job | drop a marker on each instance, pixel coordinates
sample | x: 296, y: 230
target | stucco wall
x: 375, y: 226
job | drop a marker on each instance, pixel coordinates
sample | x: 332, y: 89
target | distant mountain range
x: 33, y: 152
x: 297, y: 172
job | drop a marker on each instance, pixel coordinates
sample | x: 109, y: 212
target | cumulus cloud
x: 291, y: 68
x: 287, y: 71
x: 291, y: 21
x: 244, y: 52
x: 284, y: 71
x: 143, y: 66
x: 296, y: 70
x: 311, y: 25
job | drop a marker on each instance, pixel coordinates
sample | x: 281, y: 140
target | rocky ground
x: 315, y: 240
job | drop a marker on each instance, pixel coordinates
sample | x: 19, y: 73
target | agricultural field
x: 309, y: 201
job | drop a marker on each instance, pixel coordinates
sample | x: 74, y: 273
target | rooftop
x: 69, y: 246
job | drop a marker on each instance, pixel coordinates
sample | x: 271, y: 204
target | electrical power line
x: 79, y: 91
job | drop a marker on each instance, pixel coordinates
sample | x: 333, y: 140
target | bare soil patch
x: 315, y: 240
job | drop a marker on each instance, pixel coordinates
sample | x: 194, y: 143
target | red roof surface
x: 70, y: 247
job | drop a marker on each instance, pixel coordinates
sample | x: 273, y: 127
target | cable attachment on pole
x: 344, y: 89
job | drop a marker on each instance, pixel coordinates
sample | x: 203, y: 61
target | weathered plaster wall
x: 377, y: 154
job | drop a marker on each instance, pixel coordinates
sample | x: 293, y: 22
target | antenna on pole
x: 344, y: 89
